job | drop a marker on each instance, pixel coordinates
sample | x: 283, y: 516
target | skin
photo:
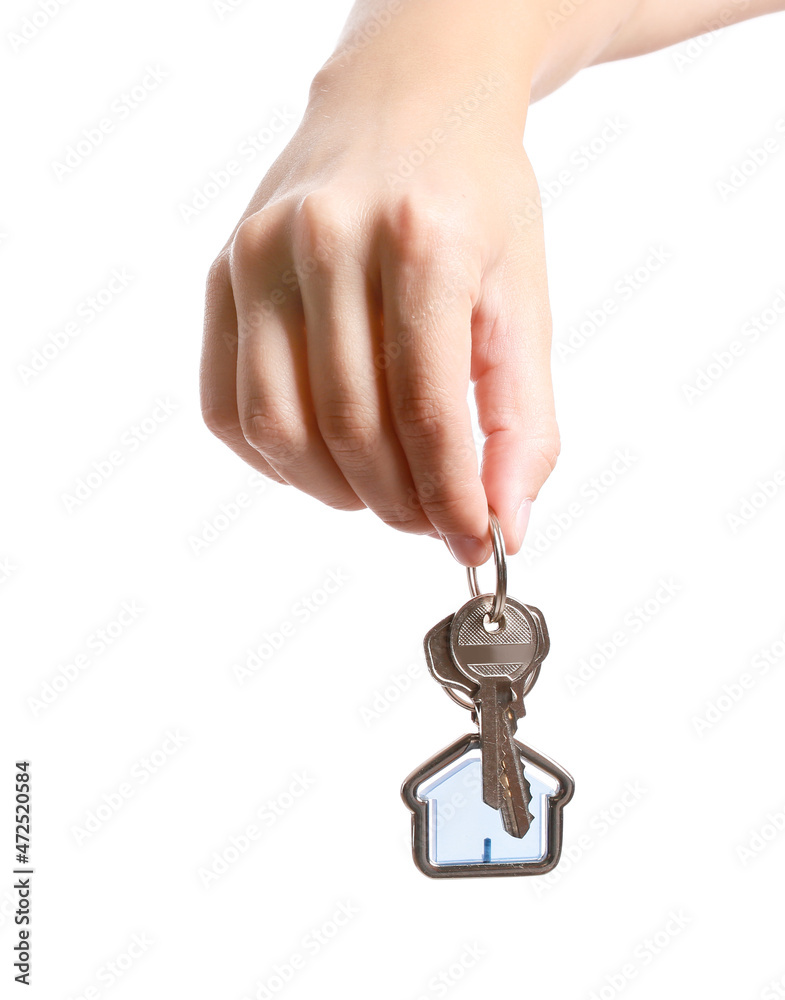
x: 393, y: 257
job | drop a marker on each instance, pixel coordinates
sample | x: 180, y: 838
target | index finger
x: 427, y: 304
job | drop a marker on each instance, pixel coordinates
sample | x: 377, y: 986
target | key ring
x: 500, y: 561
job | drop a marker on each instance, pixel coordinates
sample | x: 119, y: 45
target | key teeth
x: 510, y: 820
x: 510, y: 816
x: 511, y: 826
x: 529, y: 814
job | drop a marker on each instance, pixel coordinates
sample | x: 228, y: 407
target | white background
x: 335, y: 703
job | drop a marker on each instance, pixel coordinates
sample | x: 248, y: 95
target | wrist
x: 420, y: 60
x: 431, y: 54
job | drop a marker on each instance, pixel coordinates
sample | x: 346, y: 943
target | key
x: 522, y: 687
x: 542, y: 628
x: 509, y: 826
x: 515, y: 789
x: 442, y: 667
x: 497, y: 660
x: 438, y: 656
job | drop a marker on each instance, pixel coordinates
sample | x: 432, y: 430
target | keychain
x: 486, y: 804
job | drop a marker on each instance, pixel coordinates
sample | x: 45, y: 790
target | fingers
x: 346, y: 368
x: 273, y: 388
x: 513, y: 390
x: 428, y: 297
x: 304, y: 377
x: 218, y: 375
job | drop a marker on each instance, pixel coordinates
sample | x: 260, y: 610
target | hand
x: 393, y: 253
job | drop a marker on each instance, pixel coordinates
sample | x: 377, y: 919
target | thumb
x: 512, y: 373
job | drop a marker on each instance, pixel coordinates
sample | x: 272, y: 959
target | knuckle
x: 320, y: 225
x: 220, y: 420
x: 405, y: 516
x: 419, y: 227
x: 548, y: 448
x: 349, y: 429
x: 270, y: 430
x: 442, y: 501
x: 218, y: 273
x: 423, y: 418
x: 269, y: 473
x: 347, y: 502
x: 442, y: 491
x: 251, y: 238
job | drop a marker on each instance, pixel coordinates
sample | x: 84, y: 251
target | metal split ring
x: 500, y: 561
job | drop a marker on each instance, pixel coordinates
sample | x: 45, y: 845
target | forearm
x: 436, y: 48
x: 585, y: 32
x: 657, y: 24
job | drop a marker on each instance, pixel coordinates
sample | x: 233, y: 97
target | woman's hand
x: 393, y: 254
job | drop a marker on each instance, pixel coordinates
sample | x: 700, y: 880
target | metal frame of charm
x: 420, y: 819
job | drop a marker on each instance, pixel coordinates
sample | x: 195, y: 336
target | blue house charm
x: 455, y: 834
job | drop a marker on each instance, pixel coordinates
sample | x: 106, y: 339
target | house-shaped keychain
x: 455, y: 834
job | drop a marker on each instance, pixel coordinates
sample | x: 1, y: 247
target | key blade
x: 516, y: 822
x: 515, y: 789
x: 490, y: 733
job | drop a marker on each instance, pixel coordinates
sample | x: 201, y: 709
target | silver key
x: 438, y: 656
x: 441, y: 663
x: 515, y: 789
x: 498, y: 660
x: 442, y: 667
x: 522, y: 687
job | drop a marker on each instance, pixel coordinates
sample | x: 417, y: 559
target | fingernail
x: 522, y: 520
x: 466, y: 549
